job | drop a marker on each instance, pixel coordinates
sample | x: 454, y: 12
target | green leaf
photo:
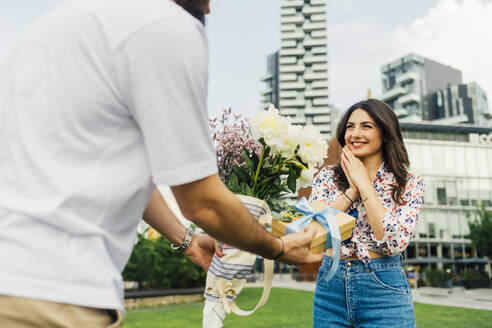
x: 248, y: 161
x: 249, y: 191
x: 241, y: 174
x: 255, y: 161
x: 233, y: 183
x: 291, y: 180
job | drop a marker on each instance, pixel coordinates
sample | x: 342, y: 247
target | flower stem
x: 259, y: 165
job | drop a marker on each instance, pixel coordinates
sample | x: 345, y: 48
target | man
x: 100, y: 102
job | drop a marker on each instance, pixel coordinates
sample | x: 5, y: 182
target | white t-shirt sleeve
x: 162, y: 71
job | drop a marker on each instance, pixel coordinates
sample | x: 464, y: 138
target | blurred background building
x: 297, y: 75
x: 455, y: 162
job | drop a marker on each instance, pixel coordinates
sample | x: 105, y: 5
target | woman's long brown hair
x: 394, y: 152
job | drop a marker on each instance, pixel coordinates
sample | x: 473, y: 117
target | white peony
x: 269, y: 125
x: 290, y: 141
x: 306, y: 178
x: 313, y: 149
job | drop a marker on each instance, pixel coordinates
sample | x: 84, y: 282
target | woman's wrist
x: 352, y: 193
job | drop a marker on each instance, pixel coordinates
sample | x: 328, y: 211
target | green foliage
x: 474, y: 276
x: 267, y: 177
x: 437, y: 278
x: 155, y: 265
x: 481, y: 231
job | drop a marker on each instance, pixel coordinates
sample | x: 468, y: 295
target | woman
x: 373, y: 183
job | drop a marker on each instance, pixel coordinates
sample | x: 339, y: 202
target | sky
x: 362, y: 36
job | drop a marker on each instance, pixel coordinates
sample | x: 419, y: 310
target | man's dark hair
x: 196, y: 8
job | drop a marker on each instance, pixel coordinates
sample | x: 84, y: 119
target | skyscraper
x: 303, y: 64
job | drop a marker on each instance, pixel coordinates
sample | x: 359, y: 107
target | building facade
x: 455, y: 162
x: 410, y: 80
x: 463, y: 103
x: 302, y: 65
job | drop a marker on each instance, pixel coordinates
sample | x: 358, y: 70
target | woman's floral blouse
x: 399, y: 222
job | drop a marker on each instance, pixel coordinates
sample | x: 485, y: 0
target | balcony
x: 288, y: 44
x: 310, y: 76
x: 291, y: 19
x: 321, y: 67
x: 309, y: 10
x: 297, y: 35
x: 309, y: 26
x: 288, y: 60
x: 288, y: 27
x: 320, y: 101
x: 266, y: 77
x: 292, y: 68
x: 319, y: 34
x: 288, y: 77
x: 317, y: 111
x: 319, y: 50
x: 407, y: 77
x: 393, y: 93
x: 289, y: 111
x: 317, y: 2
x: 292, y: 86
x: 322, y: 119
x: 409, y: 98
x: 288, y: 11
x: 316, y: 93
x: 318, y: 18
x: 266, y: 91
x: 288, y: 94
x: 292, y: 52
x: 298, y: 120
x: 319, y: 84
x: 314, y: 42
x: 292, y: 4
x: 401, y: 112
x: 292, y: 103
x: 324, y: 128
x: 315, y: 59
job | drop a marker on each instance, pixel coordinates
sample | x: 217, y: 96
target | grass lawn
x: 291, y: 308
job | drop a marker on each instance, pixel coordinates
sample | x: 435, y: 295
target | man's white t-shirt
x: 101, y: 100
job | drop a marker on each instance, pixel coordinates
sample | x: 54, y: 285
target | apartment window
x: 432, y: 230
x: 441, y: 196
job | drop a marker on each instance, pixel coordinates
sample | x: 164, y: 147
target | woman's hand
x: 355, y: 171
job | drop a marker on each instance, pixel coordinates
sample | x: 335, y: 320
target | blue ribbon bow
x: 326, y: 218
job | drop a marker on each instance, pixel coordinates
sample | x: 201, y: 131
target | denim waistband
x: 358, y: 265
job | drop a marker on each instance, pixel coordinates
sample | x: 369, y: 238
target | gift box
x: 345, y: 222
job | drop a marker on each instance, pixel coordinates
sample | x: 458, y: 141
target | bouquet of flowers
x: 261, y: 160
x: 266, y: 157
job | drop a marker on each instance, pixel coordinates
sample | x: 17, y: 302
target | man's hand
x: 202, y: 249
x: 296, y: 248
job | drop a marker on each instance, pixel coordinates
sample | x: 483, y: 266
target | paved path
x: 465, y: 298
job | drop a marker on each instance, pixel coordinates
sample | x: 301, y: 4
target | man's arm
x: 214, y: 208
x: 160, y: 217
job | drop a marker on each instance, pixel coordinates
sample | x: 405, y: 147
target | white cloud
x: 455, y: 33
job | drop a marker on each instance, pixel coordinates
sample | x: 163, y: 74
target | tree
x: 481, y: 233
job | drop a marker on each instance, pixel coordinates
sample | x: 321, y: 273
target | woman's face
x: 363, y: 136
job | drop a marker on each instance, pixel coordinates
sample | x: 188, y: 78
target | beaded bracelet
x: 369, y: 197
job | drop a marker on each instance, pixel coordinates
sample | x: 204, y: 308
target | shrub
x: 155, y: 265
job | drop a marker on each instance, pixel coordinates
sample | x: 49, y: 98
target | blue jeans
x: 360, y: 295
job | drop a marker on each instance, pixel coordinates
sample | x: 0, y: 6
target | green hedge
x: 155, y: 265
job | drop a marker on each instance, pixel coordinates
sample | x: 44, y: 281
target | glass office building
x: 456, y: 162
